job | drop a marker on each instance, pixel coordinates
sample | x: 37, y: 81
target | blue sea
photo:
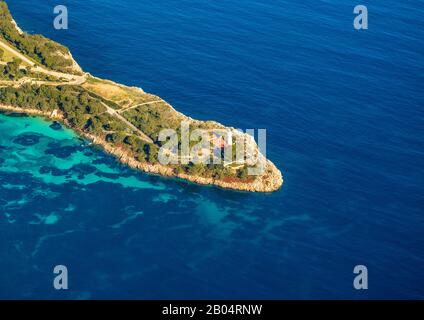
x: 344, y: 116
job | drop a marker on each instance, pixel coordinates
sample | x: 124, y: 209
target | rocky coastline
x: 270, y: 181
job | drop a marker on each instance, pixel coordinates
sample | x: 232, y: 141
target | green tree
x: 151, y: 152
x: 131, y: 140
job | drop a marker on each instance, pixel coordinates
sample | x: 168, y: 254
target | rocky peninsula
x: 40, y: 77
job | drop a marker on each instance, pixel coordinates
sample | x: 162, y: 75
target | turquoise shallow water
x: 343, y: 110
x: 43, y: 152
x: 63, y: 200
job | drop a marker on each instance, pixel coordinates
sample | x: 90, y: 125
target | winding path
x: 71, y: 80
x: 16, y: 53
x: 114, y: 113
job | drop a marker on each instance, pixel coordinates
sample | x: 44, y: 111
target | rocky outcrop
x: 17, y: 27
x: 270, y: 181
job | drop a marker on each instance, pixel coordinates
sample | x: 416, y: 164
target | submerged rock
x: 56, y: 126
x: 61, y: 152
x: 28, y: 139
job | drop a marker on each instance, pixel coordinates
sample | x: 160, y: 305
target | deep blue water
x: 344, y: 114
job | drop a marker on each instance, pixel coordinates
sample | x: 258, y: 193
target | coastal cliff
x: 124, y: 121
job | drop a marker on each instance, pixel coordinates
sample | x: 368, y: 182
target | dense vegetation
x: 13, y: 71
x: 152, y: 118
x: 37, y: 47
x: 85, y: 112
